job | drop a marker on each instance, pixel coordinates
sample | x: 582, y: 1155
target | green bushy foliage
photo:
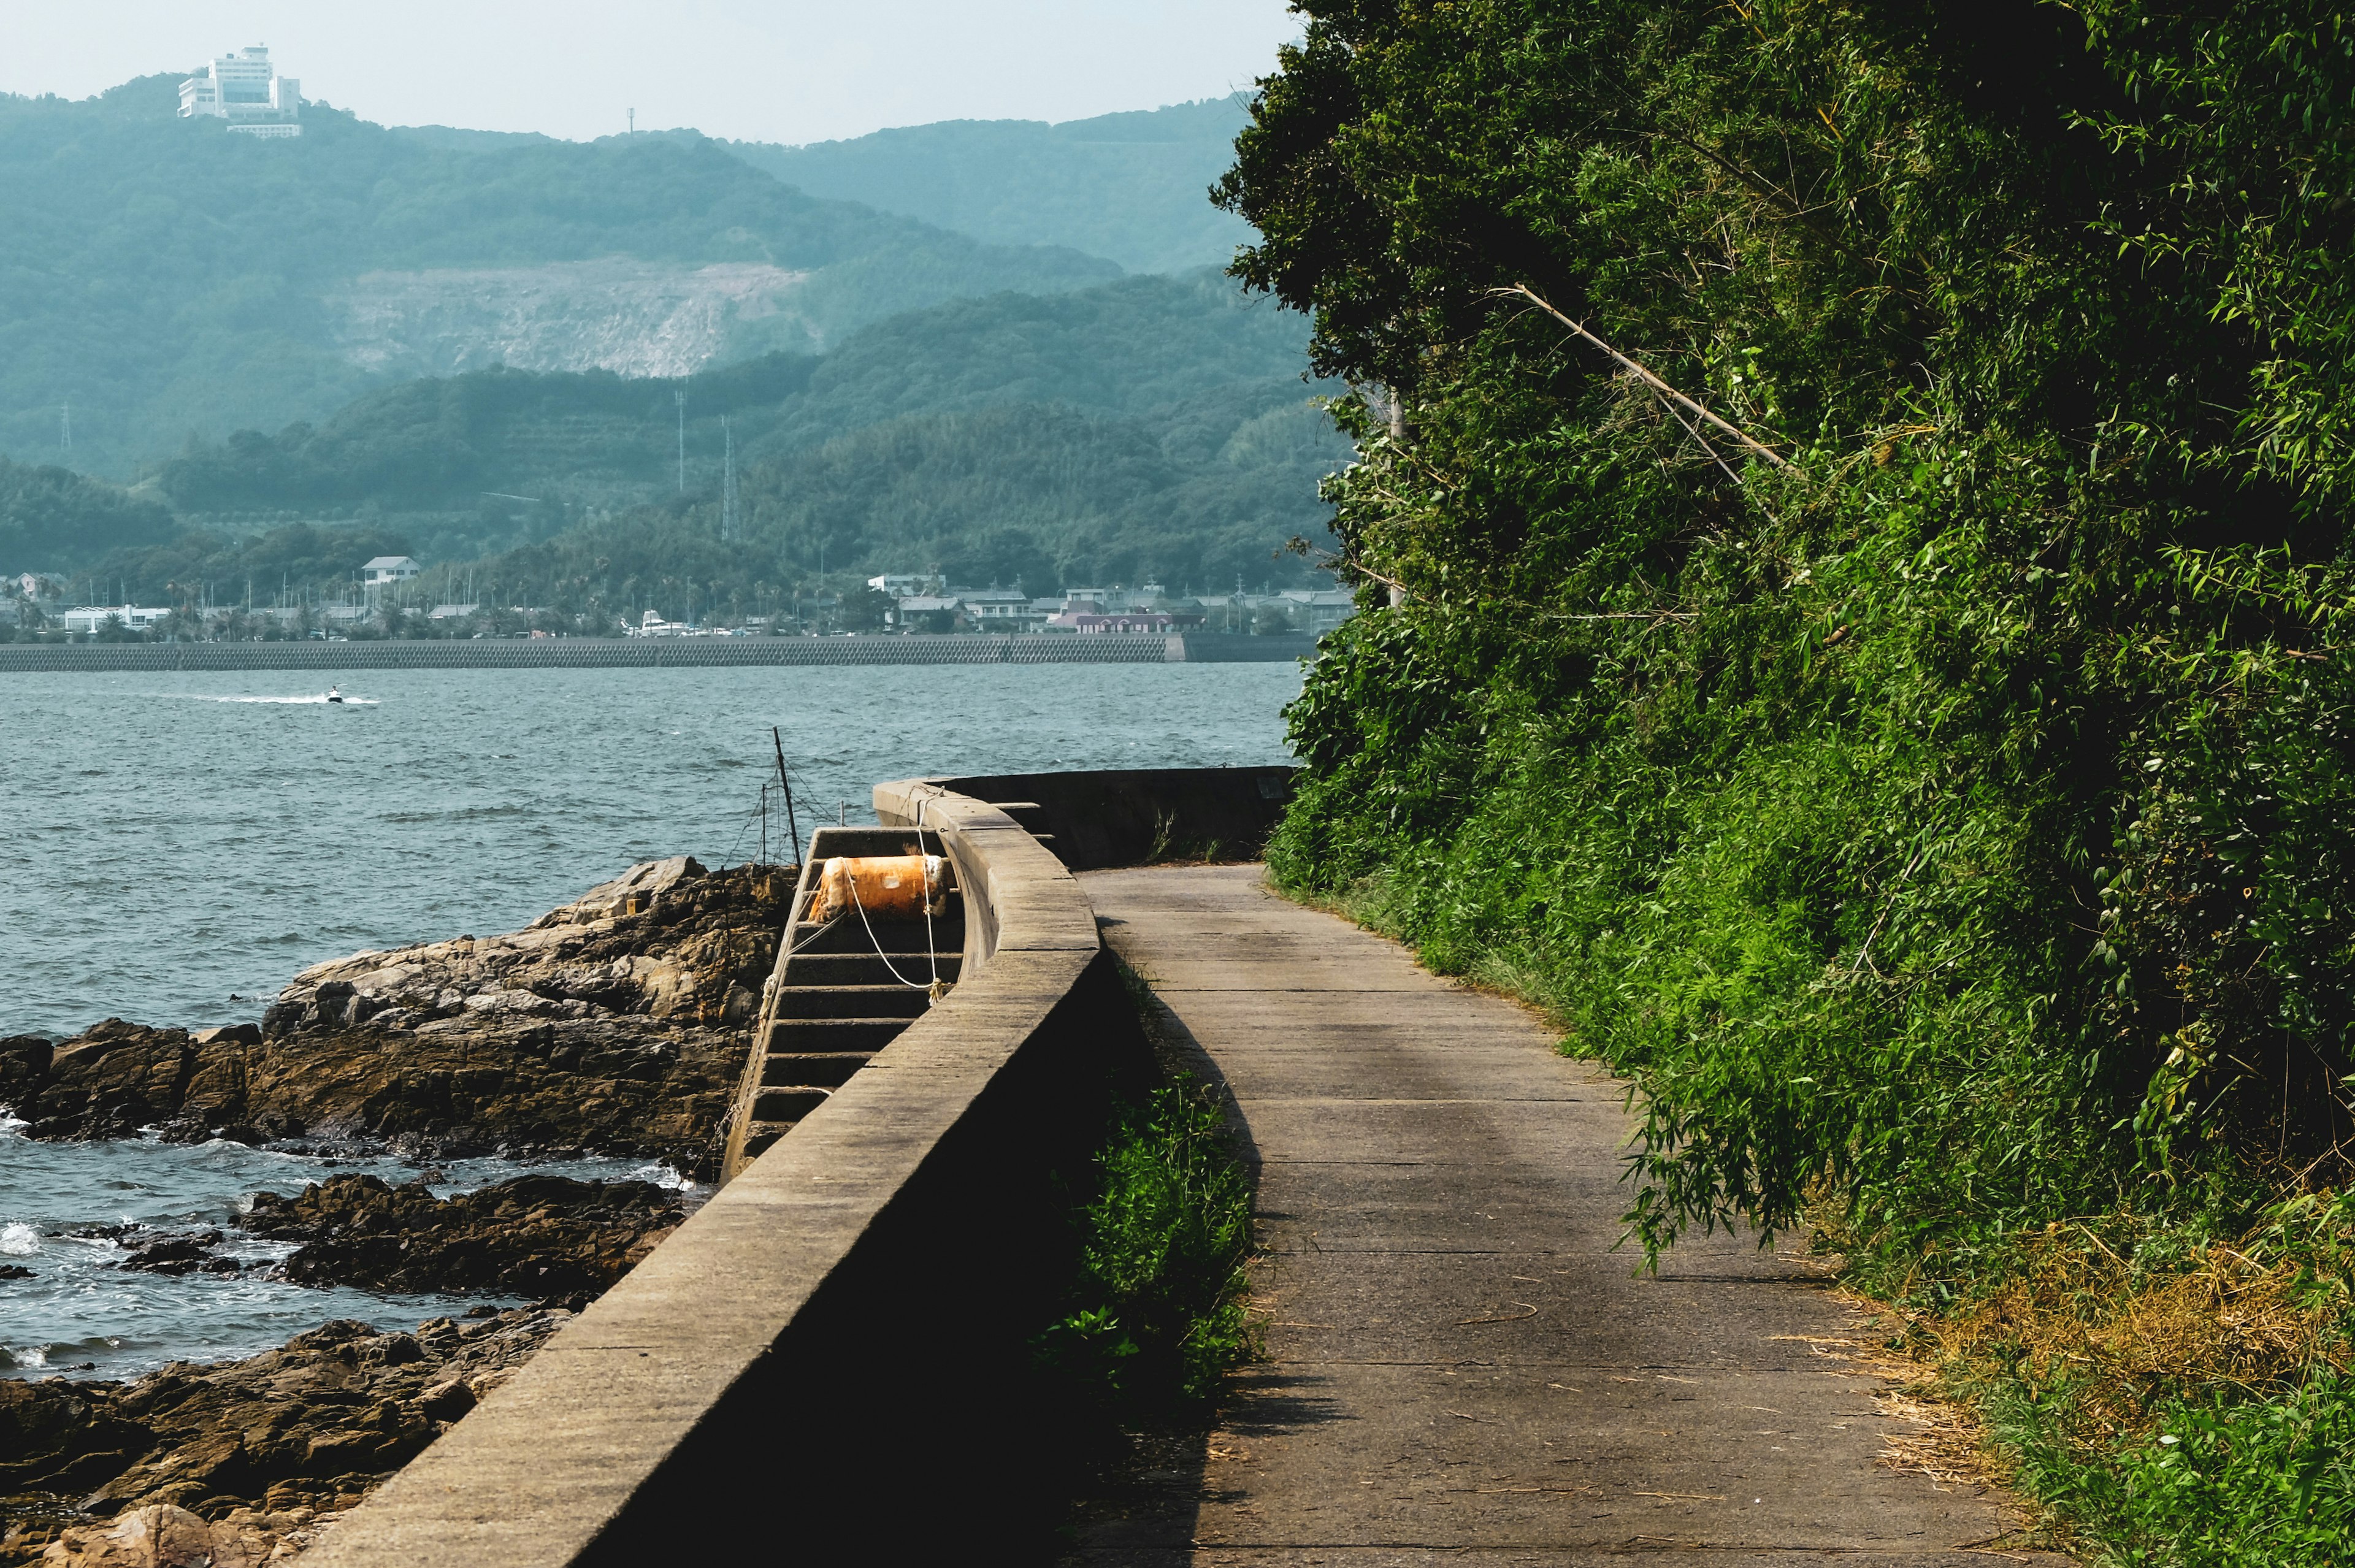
x: 1158, y: 1315
x: 1927, y: 792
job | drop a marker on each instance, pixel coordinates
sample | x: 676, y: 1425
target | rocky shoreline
x: 247, y: 1461
x: 615, y: 1025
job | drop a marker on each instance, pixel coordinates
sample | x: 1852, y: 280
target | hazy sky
x: 786, y: 70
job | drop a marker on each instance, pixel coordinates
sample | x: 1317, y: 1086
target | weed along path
x: 1460, y: 1363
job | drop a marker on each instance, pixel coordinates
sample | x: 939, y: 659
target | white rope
x: 932, y: 946
x: 875, y: 942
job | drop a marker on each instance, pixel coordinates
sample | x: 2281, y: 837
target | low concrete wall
x: 1134, y: 816
x: 833, y: 1356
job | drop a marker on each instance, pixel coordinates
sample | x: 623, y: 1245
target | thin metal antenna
x: 633, y: 121
x: 65, y: 425
x: 680, y: 395
x: 793, y: 823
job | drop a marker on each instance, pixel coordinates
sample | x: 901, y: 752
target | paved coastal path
x: 1462, y: 1369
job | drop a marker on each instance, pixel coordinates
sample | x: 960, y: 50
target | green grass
x: 1157, y: 1316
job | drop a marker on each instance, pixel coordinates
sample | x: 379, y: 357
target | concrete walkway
x: 1462, y: 1369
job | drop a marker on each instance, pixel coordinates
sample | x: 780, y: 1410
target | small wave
x: 19, y: 1240
x: 663, y: 1175
x: 25, y: 1360
x: 314, y: 700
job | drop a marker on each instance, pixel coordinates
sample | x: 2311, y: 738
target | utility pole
x: 65, y: 426
x: 633, y: 121
x: 727, y: 482
x: 680, y: 395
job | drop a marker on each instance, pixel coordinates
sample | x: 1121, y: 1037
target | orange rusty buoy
x: 887, y: 887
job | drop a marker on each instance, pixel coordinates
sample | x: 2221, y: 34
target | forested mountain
x: 1919, y: 750
x: 1130, y: 187
x: 1154, y: 427
x: 165, y: 277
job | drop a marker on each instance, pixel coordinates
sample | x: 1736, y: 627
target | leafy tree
x: 1907, y: 743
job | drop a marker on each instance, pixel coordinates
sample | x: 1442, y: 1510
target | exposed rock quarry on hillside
x: 616, y: 1024
x: 633, y: 318
x: 241, y: 1463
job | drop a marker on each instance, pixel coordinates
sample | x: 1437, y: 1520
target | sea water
x: 180, y: 845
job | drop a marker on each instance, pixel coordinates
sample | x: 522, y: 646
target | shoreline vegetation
x: 1851, y: 521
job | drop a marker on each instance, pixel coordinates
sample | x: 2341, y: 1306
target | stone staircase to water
x: 840, y: 992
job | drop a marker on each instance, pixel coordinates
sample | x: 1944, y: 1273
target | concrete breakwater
x: 657, y: 653
x: 880, y: 1272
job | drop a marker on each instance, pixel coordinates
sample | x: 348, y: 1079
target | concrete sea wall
x: 653, y: 653
x: 833, y: 1358
x: 843, y: 1329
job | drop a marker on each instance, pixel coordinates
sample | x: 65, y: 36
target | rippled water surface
x: 180, y: 845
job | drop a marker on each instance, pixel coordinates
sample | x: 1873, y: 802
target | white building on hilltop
x: 245, y: 90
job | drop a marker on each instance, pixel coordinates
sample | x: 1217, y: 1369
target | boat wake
x: 317, y: 699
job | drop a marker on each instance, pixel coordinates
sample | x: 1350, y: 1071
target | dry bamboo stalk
x: 1748, y: 442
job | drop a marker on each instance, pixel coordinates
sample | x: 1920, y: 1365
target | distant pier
x: 644, y: 653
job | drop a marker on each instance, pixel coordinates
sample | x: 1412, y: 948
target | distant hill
x: 1130, y: 187
x: 52, y: 519
x: 165, y: 277
x: 1151, y: 427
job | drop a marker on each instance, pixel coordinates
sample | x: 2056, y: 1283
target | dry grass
x: 2077, y: 1313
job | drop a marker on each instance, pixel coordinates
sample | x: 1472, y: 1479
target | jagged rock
x: 255, y: 1450
x: 535, y: 1235
x: 163, y: 1536
x: 619, y: 1031
x: 178, y: 1254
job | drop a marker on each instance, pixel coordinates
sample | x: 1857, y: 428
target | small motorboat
x: 335, y: 694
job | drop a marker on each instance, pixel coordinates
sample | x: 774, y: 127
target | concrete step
x: 883, y: 999
x: 794, y: 1037
x: 759, y: 1135
x: 867, y: 969
x: 848, y: 935
x: 787, y: 1105
x: 812, y: 1069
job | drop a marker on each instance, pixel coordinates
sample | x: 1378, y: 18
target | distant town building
x: 904, y: 584
x: 245, y: 90
x: 1001, y: 611
x: 386, y: 568
x: 1319, y: 610
x: 94, y: 617
x: 1156, y: 622
x: 922, y: 611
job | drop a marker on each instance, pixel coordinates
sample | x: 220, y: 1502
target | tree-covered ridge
x: 166, y: 276
x: 1919, y: 751
x: 1149, y: 429
x: 441, y: 443
x: 1128, y: 187
x: 51, y: 517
